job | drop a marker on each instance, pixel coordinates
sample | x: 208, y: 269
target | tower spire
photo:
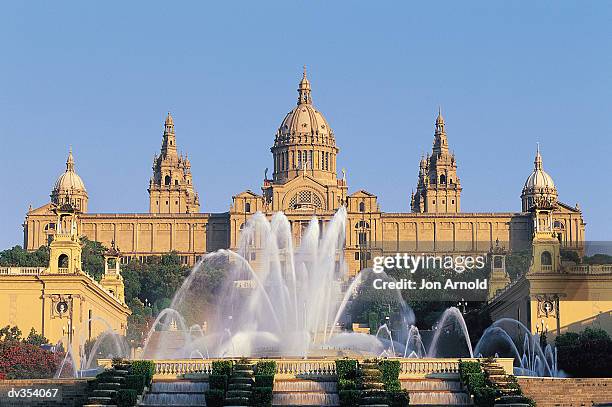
x: 538, y: 158
x: 304, y: 90
x: 70, y: 161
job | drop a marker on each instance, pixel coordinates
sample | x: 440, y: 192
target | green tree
x: 35, y: 338
x: 517, y: 263
x: 92, y: 257
x: 19, y: 257
x: 10, y: 334
x: 598, y: 259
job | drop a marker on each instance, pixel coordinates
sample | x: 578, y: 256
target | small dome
x: 69, y: 181
x: 539, y: 180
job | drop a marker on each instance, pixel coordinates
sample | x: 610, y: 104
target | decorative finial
x: 304, y: 90
x: 538, y: 158
x: 70, y: 160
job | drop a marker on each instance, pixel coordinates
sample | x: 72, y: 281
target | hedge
x: 398, y: 398
x: 346, y: 369
x: 390, y: 370
x: 261, y: 397
x: 265, y: 368
x: 222, y: 367
x: 349, y: 398
x: 126, y: 398
x: 214, y: 397
x: 135, y: 382
x: 262, y: 380
x: 346, y: 384
x: 217, y: 382
x: 145, y: 368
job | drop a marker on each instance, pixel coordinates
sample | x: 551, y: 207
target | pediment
x: 362, y: 193
x: 46, y: 209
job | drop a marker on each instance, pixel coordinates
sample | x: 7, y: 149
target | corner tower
x: 171, y: 188
x: 438, y: 187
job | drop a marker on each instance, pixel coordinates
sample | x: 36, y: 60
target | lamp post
x: 462, y: 305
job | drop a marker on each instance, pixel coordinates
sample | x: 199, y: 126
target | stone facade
x: 61, y: 301
x: 303, y: 183
x: 555, y: 392
x: 73, y: 392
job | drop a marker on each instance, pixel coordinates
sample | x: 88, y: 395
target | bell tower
x: 112, y: 279
x: 438, y: 186
x: 65, y: 248
x: 171, y: 187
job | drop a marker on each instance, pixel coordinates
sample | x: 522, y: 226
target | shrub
x: 146, y: 368
x: 217, y: 382
x: 261, y: 397
x: 222, y: 367
x: 266, y: 367
x: 20, y: 360
x: 214, y: 397
x: 346, y: 384
x: 588, y: 354
x: 126, y: 398
x: 485, y: 397
x: 390, y: 370
x: 398, y: 398
x: 264, y: 380
x: 346, y: 369
x: 349, y: 398
x: 393, y: 385
x: 466, y: 368
x: 135, y: 382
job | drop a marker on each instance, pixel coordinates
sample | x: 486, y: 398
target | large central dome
x: 305, y: 121
x: 304, y: 142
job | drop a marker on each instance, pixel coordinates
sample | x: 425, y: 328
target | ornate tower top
x: 69, y: 187
x: 304, y: 90
x: 438, y: 186
x: 539, y: 189
x: 171, y: 189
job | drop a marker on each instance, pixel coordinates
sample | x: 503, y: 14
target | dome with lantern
x: 539, y: 188
x: 70, y: 188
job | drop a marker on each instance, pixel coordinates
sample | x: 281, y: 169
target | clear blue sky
x: 100, y: 76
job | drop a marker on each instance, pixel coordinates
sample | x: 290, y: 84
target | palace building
x: 62, y: 302
x: 305, y: 182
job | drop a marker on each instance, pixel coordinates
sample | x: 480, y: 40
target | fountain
x: 281, y: 300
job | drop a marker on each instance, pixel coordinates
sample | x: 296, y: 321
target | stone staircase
x: 510, y: 394
x: 106, y: 388
x: 373, y: 391
x: 240, y: 385
x: 436, y: 392
x: 183, y: 393
x: 299, y: 392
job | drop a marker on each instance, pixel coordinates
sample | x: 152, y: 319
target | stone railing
x: 590, y: 269
x: 442, y: 366
x: 292, y: 368
x: 21, y: 271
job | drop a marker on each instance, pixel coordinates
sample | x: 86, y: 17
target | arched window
x: 362, y: 224
x: 442, y: 179
x: 497, y: 262
x: 546, y: 259
x: 62, y: 261
x: 176, y: 182
x: 247, y: 207
x: 361, y: 206
x: 167, y: 180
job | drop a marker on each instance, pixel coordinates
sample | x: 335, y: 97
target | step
x: 238, y: 393
x: 239, y: 386
x: 99, y: 400
x: 242, y: 380
x: 99, y: 405
x: 103, y: 393
x: 108, y: 386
